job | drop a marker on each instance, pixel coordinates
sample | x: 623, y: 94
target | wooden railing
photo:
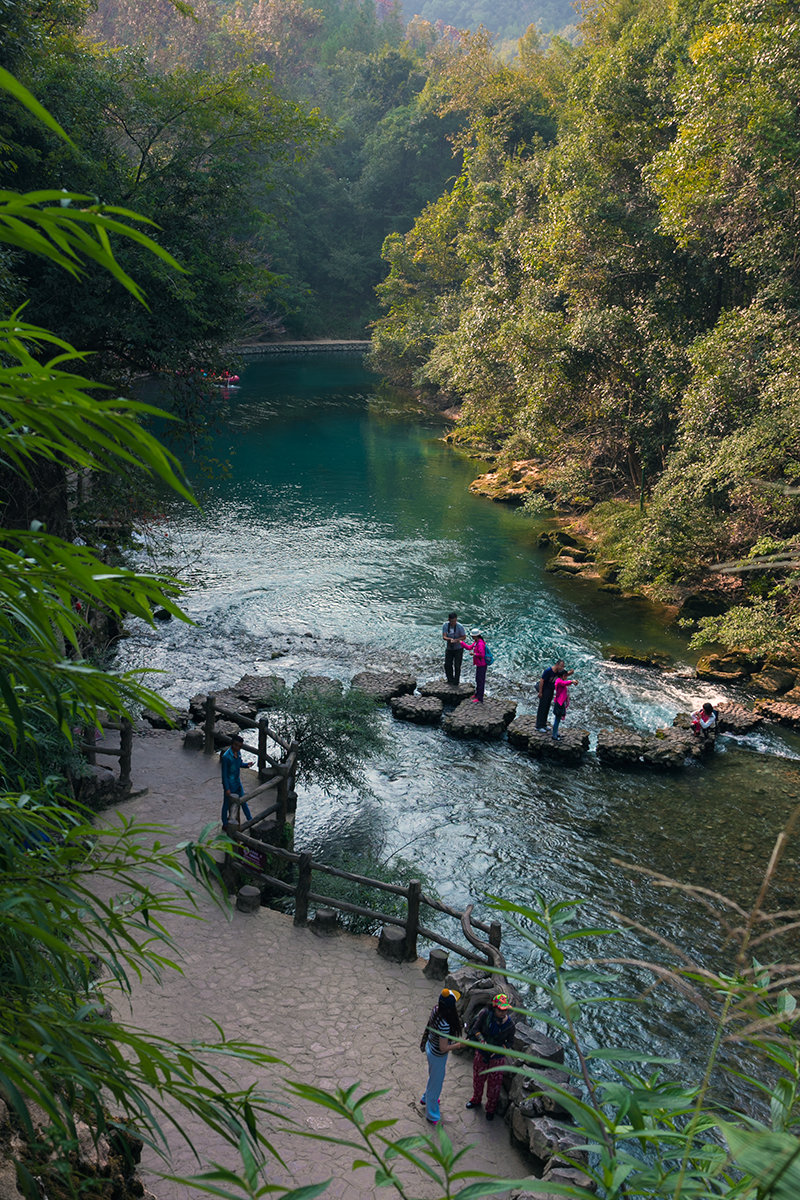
x: 255, y: 858
x: 124, y: 753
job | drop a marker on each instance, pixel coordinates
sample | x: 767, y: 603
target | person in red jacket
x: 478, y: 648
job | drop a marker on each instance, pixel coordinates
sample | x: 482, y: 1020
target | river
x: 339, y: 538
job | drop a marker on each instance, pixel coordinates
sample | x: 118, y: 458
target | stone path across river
x: 334, y: 1010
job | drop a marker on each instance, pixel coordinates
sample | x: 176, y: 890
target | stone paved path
x: 330, y: 1007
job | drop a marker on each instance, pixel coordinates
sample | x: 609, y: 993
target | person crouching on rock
x: 705, y: 719
x: 493, y: 1026
x: 478, y: 648
x: 444, y: 1024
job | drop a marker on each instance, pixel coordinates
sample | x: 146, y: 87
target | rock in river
x: 486, y: 720
x: 382, y: 685
x: 423, y: 710
x: 448, y: 693
x: 570, y: 747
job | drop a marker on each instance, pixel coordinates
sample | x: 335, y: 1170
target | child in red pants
x: 493, y: 1026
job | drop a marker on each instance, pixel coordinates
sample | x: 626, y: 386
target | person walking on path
x: 232, y: 789
x: 494, y: 1027
x: 478, y: 648
x: 561, y: 699
x: 444, y: 1024
x: 546, y: 689
x: 452, y: 632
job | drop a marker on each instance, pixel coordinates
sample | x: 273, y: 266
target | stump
x: 436, y: 967
x: 248, y: 899
x: 392, y: 943
x: 325, y: 923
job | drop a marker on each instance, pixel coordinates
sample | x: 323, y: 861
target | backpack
x: 488, y: 655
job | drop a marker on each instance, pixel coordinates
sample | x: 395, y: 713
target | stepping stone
x: 423, y: 710
x: 448, y: 693
x: 780, y: 712
x: 570, y: 748
x: 668, y: 749
x: 319, y: 685
x: 382, y: 685
x: 486, y: 720
x: 620, y: 747
x: 259, y: 690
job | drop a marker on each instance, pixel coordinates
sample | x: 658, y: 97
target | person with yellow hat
x: 493, y: 1027
x: 444, y: 1024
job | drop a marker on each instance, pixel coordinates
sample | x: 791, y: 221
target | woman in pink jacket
x: 478, y: 648
x: 561, y: 699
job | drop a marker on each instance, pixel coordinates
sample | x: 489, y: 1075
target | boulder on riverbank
x: 448, y: 693
x: 511, y: 483
x: 655, y: 660
x: 422, y: 710
x: 772, y: 679
x: 382, y: 685
x: 486, y: 720
x: 727, y: 668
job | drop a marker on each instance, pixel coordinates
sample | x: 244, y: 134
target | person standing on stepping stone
x: 547, y: 687
x: 494, y: 1027
x: 452, y: 632
x: 561, y: 700
x: 478, y: 648
x: 444, y: 1024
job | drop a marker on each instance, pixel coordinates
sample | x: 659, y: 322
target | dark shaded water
x: 342, y: 536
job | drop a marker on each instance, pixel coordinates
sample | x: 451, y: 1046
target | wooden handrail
x: 453, y: 912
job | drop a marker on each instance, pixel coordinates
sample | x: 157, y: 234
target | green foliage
x: 619, y: 294
x: 763, y: 627
x: 335, y: 734
x: 70, y: 942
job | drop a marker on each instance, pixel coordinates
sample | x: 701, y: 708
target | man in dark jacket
x: 494, y: 1027
x: 547, y: 687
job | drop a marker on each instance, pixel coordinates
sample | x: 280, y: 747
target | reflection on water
x: 341, y: 538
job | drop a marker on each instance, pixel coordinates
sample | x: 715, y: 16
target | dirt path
x: 330, y: 1007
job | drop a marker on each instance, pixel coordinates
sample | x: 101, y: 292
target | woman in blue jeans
x: 444, y: 1024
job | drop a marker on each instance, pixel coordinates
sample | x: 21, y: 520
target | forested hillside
x: 611, y: 287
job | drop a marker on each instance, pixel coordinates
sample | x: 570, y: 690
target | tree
x: 62, y: 942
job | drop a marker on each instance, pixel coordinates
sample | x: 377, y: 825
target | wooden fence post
x: 283, y: 796
x: 291, y: 759
x: 125, y: 752
x: 412, y: 920
x: 89, y: 736
x: 211, y: 713
x: 263, y: 726
x: 303, y: 888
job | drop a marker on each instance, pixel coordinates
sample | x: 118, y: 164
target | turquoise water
x: 340, y: 537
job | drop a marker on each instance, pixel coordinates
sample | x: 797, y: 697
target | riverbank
x: 738, y: 607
